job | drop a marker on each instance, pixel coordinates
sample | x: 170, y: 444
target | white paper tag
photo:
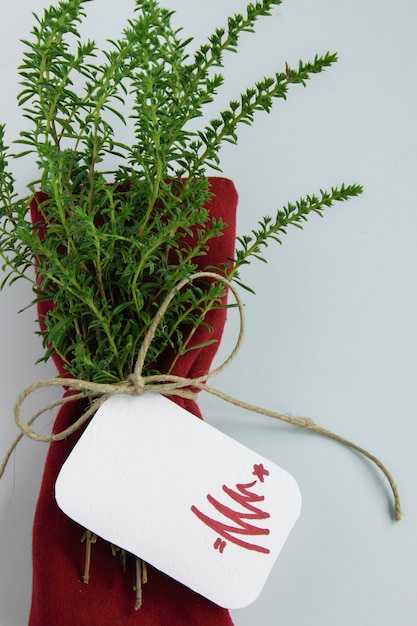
x: 153, y: 479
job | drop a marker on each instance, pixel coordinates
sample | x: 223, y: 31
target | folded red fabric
x: 59, y: 597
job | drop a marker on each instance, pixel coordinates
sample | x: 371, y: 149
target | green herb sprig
x: 115, y: 242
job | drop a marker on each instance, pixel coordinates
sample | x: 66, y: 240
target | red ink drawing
x: 219, y: 545
x: 244, y: 496
x: 260, y: 472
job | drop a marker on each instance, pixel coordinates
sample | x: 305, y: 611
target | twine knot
x: 136, y: 384
x: 169, y: 385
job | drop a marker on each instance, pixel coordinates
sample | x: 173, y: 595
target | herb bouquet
x: 112, y: 229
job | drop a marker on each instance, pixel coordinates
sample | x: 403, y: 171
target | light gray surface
x: 331, y: 333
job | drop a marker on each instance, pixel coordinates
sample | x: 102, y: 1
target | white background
x: 331, y: 332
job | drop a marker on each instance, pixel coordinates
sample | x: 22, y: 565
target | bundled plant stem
x: 119, y: 238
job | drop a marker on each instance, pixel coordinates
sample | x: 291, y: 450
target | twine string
x: 168, y: 385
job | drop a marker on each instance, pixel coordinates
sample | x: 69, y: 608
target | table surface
x: 331, y: 332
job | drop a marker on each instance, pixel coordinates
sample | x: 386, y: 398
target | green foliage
x: 116, y: 238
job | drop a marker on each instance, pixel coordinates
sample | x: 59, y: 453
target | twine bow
x: 169, y: 385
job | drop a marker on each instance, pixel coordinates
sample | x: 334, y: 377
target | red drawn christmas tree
x: 235, y: 525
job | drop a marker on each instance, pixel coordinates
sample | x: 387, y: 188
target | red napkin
x: 60, y: 598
